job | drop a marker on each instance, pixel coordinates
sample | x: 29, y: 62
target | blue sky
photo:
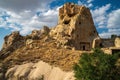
x: 27, y: 15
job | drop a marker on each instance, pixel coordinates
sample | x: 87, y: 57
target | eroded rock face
x: 11, y: 43
x: 75, y: 27
x: 117, y: 42
x: 38, y: 34
x: 11, y: 39
x: 75, y: 30
x: 37, y: 71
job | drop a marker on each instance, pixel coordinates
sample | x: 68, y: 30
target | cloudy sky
x: 27, y: 15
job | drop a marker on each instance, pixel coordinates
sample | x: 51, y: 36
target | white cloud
x: 90, y: 5
x: 114, y: 19
x: 109, y: 33
x: 100, y: 15
x: 80, y: 3
x: 87, y: 3
x: 21, y: 5
x: 27, y: 20
x: 23, y: 18
x: 110, y: 20
x: 113, y: 24
x: 114, y: 30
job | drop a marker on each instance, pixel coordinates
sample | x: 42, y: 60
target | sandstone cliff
x: 75, y: 27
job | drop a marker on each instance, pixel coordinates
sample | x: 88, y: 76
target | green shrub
x: 97, y: 66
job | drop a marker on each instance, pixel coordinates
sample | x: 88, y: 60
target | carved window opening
x: 79, y: 23
x: 72, y: 6
x: 83, y: 47
x: 71, y: 15
x: 77, y: 35
x: 101, y: 45
x: 68, y: 35
x: 66, y: 21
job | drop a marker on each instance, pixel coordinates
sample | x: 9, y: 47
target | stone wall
x: 107, y: 43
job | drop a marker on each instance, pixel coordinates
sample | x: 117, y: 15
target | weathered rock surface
x: 75, y: 27
x: 117, y: 42
x: 38, y: 34
x: 11, y: 43
x: 56, y: 46
x: 106, y: 43
x: 97, y: 43
x: 38, y: 71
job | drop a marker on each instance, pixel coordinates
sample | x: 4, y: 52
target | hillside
x: 50, y: 53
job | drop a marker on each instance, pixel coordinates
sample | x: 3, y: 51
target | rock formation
x: 11, y: 39
x: 38, y: 34
x: 117, y: 42
x: 75, y: 27
x: 20, y: 57
x: 38, y: 71
x: 11, y: 43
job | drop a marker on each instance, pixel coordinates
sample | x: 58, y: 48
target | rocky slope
x: 21, y: 56
x: 37, y: 71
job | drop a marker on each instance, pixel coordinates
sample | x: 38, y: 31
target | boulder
x: 37, y: 71
x: 45, y: 30
x: 11, y: 39
x: 117, y: 42
x: 11, y: 43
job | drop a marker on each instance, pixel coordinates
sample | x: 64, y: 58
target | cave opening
x: 66, y: 21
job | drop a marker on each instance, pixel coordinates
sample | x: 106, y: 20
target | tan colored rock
x: 19, y: 72
x: 9, y: 40
x: 75, y: 27
x: 11, y: 43
x: 40, y: 70
x: 29, y: 41
x: 56, y: 46
x: 117, y: 42
x: 37, y: 71
x: 45, y: 30
x: 36, y: 34
x: 97, y: 42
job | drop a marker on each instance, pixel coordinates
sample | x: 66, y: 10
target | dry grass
x: 47, y: 52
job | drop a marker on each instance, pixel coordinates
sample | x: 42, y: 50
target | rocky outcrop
x: 11, y: 43
x: 9, y: 40
x: 117, y: 42
x: 75, y: 27
x: 56, y: 46
x: 38, y: 71
x: 38, y: 34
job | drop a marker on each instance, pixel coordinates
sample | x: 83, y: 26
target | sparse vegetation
x: 97, y: 66
x: 113, y: 36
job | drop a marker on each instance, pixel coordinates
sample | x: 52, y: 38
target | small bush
x: 97, y: 66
